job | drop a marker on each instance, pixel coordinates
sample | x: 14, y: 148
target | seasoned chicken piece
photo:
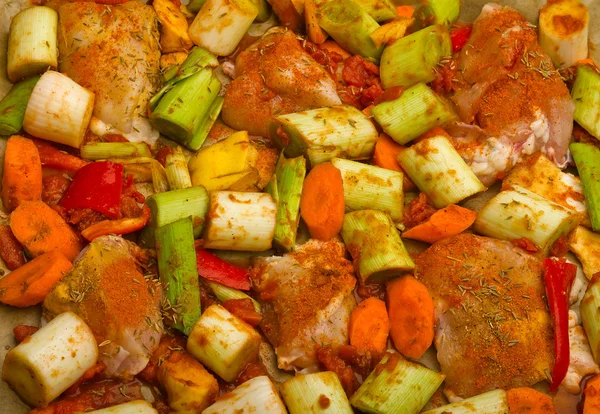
x: 108, y: 291
x: 113, y: 51
x: 492, y: 326
x: 582, y: 362
x: 509, y: 87
x: 309, y: 300
x: 275, y: 76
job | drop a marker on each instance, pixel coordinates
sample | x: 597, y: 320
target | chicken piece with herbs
x: 508, y: 86
x: 309, y: 299
x: 275, y: 76
x: 109, y: 292
x: 492, y: 326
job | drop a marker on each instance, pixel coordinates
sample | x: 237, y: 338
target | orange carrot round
x: 527, y: 400
x: 591, y: 402
x: 411, y: 315
x: 22, y: 177
x: 31, y: 283
x: 40, y: 229
x: 386, y: 153
x: 446, y: 222
x: 369, y: 326
x: 322, y: 203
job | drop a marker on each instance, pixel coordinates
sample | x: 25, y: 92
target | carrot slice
x: 411, y: 315
x: 369, y: 326
x: 591, y: 402
x: 405, y: 11
x: 31, y: 283
x: 386, y: 153
x: 40, y: 229
x: 527, y: 400
x: 446, y: 222
x: 22, y: 179
x: 322, y: 202
x: 314, y: 31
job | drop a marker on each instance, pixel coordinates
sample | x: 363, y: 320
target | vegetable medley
x: 252, y: 206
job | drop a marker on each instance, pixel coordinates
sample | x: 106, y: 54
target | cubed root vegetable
x: 257, y: 395
x: 52, y: 360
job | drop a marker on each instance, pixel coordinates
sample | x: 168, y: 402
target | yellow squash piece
x: 173, y: 27
x: 172, y: 59
x: 586, y: 246
x: 392, y: 31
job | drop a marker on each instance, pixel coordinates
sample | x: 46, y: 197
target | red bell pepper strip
x: 52, y: 157
x: 216, y: 270
x: 97, y: 186
x: 558, y: 277
x: 459, y: 36
x: 121, y: 226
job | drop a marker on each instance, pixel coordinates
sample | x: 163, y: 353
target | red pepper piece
x: 96, y: 186
x: 121, y: 226
x: 558, y: 277
x: 459, y: 36
x: 52, y: 157
x: 216, y: 270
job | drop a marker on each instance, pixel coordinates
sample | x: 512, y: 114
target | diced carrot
x: 369, y: 326
x: 332, y: 46
x: 322, y: 202
x: 529, y: 401
x: 405, y: 11
x: 314, y: 31
x: 446, y: 222
x: 31, y: 283
x: 390, y: 94
x: 410, y: 309
x: 21, y: 332
x: 22, y: 179
x: 367, y: 110
x: 591, y: 401
x: 10, y: 249
x: 435, y: 132
x: 40, y: 229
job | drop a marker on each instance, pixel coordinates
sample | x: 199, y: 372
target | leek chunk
x: 32, y: 42
x: 257, y: 395
x: 178, y: 273
x: 220, y: 25
x: 590, y: 316
x: 316, y: 393
x: 519, y: 213
x: 350, y: 26
x: 224, y: 293
x: 375, y: 246
x: 206, y: 124
x: 53, y: 359
x: 132, y: 407
x: 264, y: 10
x: 396, y: 386
x: 415, y: 112
x: 437, y: 169
x: 178, y: 175
x: 53, y: 96
x: 240, y: 221
x: 371, y: 187
x: 195, y: 5
x: 414, y: 58
x: 103, y: 150
x: 492, y: 402
x: 223, y: 342
x: 13, y: 105
x: 379, y: 10
x: 587, y: 160
x: 443, y: 12
x: 586, y: 95
x: 324, y: 133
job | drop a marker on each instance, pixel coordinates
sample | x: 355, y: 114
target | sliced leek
x: 415, y: 112
x: 132, y: 407
x: 375, y: 246
x: 443, y: 12
x: 159, y: 177
x: 178, y: 273
x: 438, y: 170
x: 54, y: 96
x: 350, y: 26
x: 414, y: 58
x: 586, y: 95
x: 379, y: 10
x: 587, y: 160
x: 316, y: 393
x: 321, y: 134
x: 220, y: 25
x: 13, y: 105
x: 176, y: 168
x: 51, y: 360
x: 195, y: 5
x: 206, y: 123
x: 492, y: 402
x: 396, y: 385
x: 103, y: 150
x: 519, y: 213
x: 590, y: 316
x: 224, y: 293
x: 223, y: 343
x: 264, y: 10
x: 371, y: 187
x: 257, y: 395
x: 563, y: 31
x: 32, y: 43
x: 240, y: 221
